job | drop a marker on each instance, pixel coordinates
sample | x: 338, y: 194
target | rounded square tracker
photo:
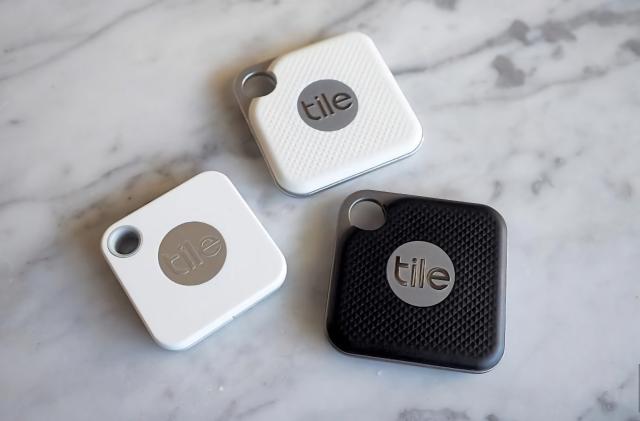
x: 335, y: 112
x: 193, y: 259
x: 425, y: 287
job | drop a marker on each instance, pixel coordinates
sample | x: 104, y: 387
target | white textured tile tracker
x: 304, y: 160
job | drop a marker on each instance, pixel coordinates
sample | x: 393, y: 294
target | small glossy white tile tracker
x: 193, y: 259
x: 326, y: 113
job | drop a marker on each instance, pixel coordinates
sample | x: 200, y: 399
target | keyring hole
x: 367, y: 215
x: 124, y: 241
x: 258, y: 84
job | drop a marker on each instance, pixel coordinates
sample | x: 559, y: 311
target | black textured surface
x: 466, y: 330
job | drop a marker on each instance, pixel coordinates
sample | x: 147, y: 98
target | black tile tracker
x: 427, y: 287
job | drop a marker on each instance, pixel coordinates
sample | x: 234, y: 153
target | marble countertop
x: 530, y: 107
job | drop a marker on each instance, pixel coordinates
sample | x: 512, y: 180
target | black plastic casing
x: 463, y: 332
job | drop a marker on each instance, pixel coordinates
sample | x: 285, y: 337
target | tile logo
x: 420, y: 273
x: 192, y: 253
x: 327, y: 105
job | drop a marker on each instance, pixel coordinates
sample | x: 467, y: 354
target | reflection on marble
x: 531, y: 107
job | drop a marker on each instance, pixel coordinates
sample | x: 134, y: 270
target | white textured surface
x: 531, y: 107
x: 178, y: 316
x: 305, y: 160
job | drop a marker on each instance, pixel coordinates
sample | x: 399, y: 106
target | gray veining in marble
x: 531, y: 107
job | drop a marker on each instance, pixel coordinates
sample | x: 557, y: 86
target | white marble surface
x: 532, y: 107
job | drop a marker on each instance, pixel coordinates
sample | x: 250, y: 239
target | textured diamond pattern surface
x: 304, y: 159
x: 465, y: 330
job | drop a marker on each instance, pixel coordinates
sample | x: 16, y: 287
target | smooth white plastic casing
x: 304, y: 160
x: 178, y: 316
